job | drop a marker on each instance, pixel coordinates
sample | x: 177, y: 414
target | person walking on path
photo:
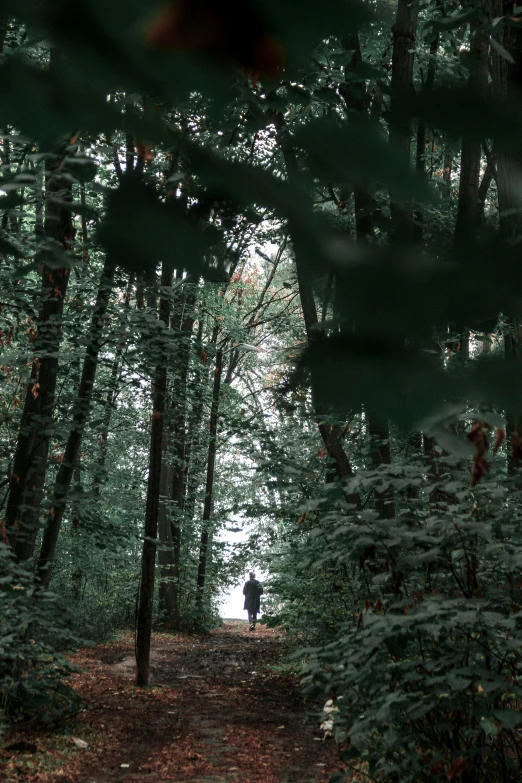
x: 253, y: 590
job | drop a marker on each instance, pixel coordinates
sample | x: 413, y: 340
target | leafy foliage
x: 337, y: 319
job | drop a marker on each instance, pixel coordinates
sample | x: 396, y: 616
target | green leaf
x: 139, y: 231
x: 456, y: 20
x: 489, y: 726
x: 509, y: 719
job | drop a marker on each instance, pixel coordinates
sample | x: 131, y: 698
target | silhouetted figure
x: 253, y: 590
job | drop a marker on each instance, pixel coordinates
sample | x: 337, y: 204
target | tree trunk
x: 169, y: 588
x: 468, y: 203
x: 420, y: 154
x: 446, y: 175
x: 404, y: 33
x: 30, y: 461
x: 167, y: 597
x: 148, y: 562
x: 193, y: 441
x: 81, y: 410
x: 507, y: 88
x: 487, y: 179
x: 100, y: 473
x: 356, y: 100
x: 211, y: 462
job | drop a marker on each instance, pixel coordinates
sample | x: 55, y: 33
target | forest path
x: 216, y: 712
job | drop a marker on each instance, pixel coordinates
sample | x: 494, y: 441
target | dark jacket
x: 252, y: 591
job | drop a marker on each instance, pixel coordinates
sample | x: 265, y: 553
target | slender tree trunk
x: 404, y: 34
x: 81, y: 410
x: 167, y: 598
x: 420, y: 162
x: 211, y: 462
x: 30, y: 460
x: 446, y: 175
x: 471, y: 156
x: 100, y: 473
x: 178, y: 475
x: 513, y: 351
x: 148, y: 562
x: 356, y: 100
x: 420, y: 154
x: 193, y: 440
x: 507, y: 88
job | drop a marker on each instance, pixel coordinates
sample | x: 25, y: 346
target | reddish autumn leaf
x: 479, y: 436
x: 144, y: 151
x: 3, y: 532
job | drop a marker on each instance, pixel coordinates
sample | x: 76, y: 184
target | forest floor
x: 220, y: 709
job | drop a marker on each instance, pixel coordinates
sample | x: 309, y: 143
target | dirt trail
x: 215, y: 714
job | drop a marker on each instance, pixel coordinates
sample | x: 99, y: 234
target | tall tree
x: 30, y: 459
x: 404, y: 35
x: 209, y: 485
x: 80, y: 415
x: 148, y: 561
x: 471, y: 155
x: 177, y: 438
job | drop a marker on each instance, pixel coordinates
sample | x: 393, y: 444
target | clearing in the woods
x: 218, y: 709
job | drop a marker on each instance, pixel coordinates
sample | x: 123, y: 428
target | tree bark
x: 148, y: 562
x: 471, y: 155
x: 167, y: 599
x: 30, y: 459
x: 356, y: 100
x: 487, y: 179
x: 507, y: 88
x: 211, y: 462
x: 404, y: 33
x: 100, y: 473
x: 81, y: 410
x: 170, y: 559
x: 193, y: 441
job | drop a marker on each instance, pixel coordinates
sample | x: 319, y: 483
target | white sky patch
x: 232, y: 600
